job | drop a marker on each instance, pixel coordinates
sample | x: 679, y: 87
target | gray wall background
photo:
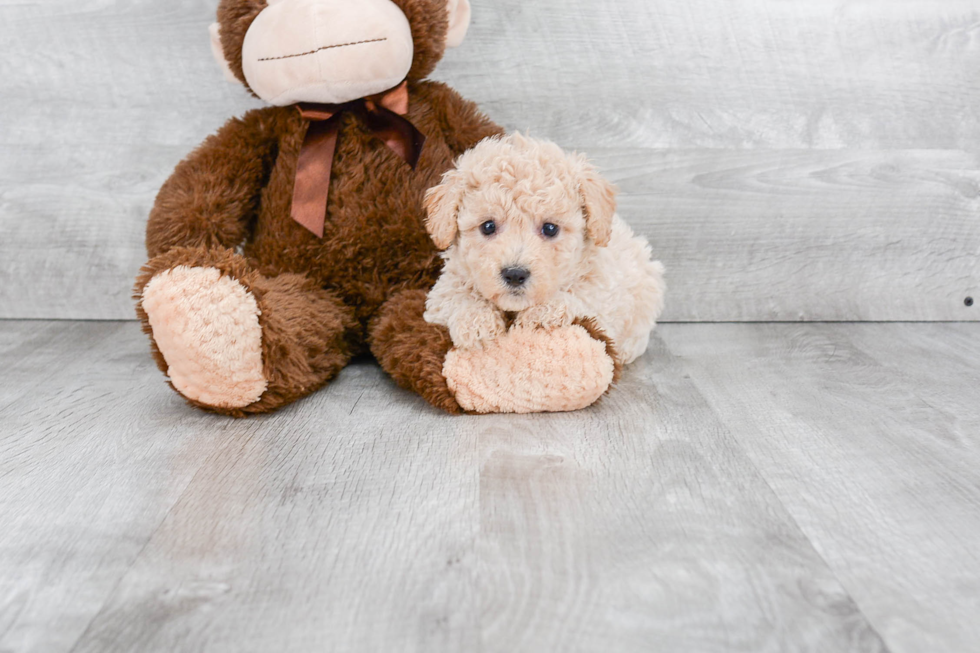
x: 789, y: 160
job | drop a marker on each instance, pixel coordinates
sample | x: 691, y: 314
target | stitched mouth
x: 326, y: 47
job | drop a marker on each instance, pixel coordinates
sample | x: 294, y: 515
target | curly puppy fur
x: 591, y: 266
x: 358, y: 289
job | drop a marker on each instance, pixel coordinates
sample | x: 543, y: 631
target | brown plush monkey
x: 294, y: 238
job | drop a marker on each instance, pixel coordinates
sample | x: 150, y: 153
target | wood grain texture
x: 361, y: 520
x: 808, y: 235
x: 640, y: 525
x: 790, y: 160
x: 86, y: 473
x: 358, y: 525
x: 101, y: 100
x: 869, y: 435
x: 346, y: 523
x: 826, y: 74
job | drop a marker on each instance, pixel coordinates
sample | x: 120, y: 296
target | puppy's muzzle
x: 515, y: 277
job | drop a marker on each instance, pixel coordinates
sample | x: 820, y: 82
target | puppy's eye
x: 550, y: 230
x: 488, y: 228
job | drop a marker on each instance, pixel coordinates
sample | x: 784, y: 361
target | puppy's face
x: 522, y: 215
x: 518, y: 248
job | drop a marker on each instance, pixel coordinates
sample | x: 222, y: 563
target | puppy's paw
x: 476, y: 328
x: 552, y: 315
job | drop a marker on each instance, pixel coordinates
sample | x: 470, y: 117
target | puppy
x: 531, y: 235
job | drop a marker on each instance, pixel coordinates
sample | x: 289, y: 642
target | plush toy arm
x: 212, y: 195
x: 462, y: 121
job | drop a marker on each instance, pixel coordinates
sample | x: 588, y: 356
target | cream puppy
x: 531, y: 235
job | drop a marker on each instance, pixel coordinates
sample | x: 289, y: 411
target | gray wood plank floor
x: 745, y: 488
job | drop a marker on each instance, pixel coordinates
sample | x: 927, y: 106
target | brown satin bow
x: 381, y: 114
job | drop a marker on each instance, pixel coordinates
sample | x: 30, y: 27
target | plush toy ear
x: 459, y: 22
x: 219, y: 53
x: 442, y: 209
x: 599, y: 203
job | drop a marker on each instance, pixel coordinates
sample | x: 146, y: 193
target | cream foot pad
x: 529, y: 371
x: 207, y: 327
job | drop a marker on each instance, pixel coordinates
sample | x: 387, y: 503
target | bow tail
x: 313, y: 170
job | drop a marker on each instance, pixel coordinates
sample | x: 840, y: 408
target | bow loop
x: 382, y: 114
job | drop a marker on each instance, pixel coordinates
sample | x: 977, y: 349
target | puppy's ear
x: 598, y: 201
x: 442, y: 209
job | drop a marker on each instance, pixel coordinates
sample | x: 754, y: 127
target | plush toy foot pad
x: 531, y: 371
x: 207, y: 327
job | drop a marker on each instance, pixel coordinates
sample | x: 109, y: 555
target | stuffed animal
x: 531, y: 232
x: 293, y: 239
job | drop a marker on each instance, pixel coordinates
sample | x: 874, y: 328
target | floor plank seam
x: 55, y: 372
x: 790, y: 515
x: 139, y: 554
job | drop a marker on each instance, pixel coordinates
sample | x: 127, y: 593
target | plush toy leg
x: 234, y: 341
x: 411, y: 350
x: 534, y: 371
x: 525, y: 371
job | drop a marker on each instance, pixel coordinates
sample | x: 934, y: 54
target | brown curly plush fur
x: 305, y: 328
x: 594, y: 330
x: 362, y: 287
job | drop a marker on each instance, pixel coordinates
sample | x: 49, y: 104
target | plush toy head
x: 523, y: 215
x: 333, y: 51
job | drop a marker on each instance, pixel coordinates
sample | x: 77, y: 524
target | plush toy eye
x: 488, y: 228
x: 550, y: 230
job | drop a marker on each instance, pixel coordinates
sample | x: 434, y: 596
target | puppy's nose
x: 515, y: 277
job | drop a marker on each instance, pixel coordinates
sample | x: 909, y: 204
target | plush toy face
x: 333, y: 51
